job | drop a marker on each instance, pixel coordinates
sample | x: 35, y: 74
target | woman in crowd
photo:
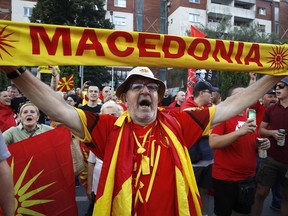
x: 28, y: 127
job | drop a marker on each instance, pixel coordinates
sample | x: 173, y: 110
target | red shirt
x: 238, y: 160
x: 162, y: 200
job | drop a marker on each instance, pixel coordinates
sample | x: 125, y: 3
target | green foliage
x: 3, y: 81
x: 97, y: 75
x: 85, y: 13
x: 178, y: 76
x: 228, y: 79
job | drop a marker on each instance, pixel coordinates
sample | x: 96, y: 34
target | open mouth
x: 145, y: 103
x: 29, y: 119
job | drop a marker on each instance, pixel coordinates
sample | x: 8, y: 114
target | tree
x: 85, y: 13
x: 3, y: 81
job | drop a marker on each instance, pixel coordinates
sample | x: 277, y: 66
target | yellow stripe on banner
x: 33, y: 44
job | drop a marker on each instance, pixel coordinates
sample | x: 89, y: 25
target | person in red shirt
x: 234, y: 144
x: 7, y: 116
x: 146, y: 165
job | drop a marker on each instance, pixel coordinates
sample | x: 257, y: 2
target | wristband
x: 16, y: 73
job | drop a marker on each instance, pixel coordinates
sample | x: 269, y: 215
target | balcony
x: 224, y: 10
x: 249, y: 2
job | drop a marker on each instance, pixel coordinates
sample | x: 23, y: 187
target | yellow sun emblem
x: 278, y: 58
x: 22, y: 193
x: 4, y: 41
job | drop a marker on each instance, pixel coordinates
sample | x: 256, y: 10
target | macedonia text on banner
x: 44, y: 182
x: 37, y: 44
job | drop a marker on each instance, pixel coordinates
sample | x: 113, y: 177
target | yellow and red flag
x: 65, y: 83
x: 43, y: 174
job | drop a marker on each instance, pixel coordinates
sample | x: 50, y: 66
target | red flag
x: 194, y: 32
x: 43, y: 174
x: 191, y: 78
x: 65, y: 83
x: 7, y: 118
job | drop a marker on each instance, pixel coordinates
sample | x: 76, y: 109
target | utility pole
x: 139, y: 15
x: 163, y: 30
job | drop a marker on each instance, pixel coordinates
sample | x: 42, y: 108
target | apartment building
x: 176, y: 16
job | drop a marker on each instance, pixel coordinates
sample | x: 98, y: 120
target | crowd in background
x: 226, y: 158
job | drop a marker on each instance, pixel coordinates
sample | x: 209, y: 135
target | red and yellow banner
x: 37, y: 44
x: 44, y: 182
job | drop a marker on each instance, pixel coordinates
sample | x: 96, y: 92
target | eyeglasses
x: 137, y: 87
x: 280, y: 86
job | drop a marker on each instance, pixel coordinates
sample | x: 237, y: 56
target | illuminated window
x: 194, y: 1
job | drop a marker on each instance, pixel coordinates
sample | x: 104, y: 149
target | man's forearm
x: 222, y: 141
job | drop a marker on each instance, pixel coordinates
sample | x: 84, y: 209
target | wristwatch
x: 16, y: 73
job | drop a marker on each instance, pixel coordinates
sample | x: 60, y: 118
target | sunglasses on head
x: 280, y: 86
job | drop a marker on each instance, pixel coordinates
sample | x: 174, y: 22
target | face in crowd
x: 106, y: 92
x: 142, y: 99
x: 281, y: 90
x: 269, y: 99
x: 93, y: 93
x: 5, y: 98
x: 180, y: 97
x: 29, y: 115
x: 206, y: 96
x: 70, y: 101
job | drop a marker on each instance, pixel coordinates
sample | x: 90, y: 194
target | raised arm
x: 235, y: 104
x: 51, y: 103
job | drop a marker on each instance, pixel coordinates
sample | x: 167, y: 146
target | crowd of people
x: 154, y: 154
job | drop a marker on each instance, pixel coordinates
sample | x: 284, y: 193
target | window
x: 262, y: 11
x: 276, y: 20
x: 28, y: 11
x: 120, y: 3
x: 119, y: 20
x: 261, y: 28
x: 195, y: 18
x: 194, y: 1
